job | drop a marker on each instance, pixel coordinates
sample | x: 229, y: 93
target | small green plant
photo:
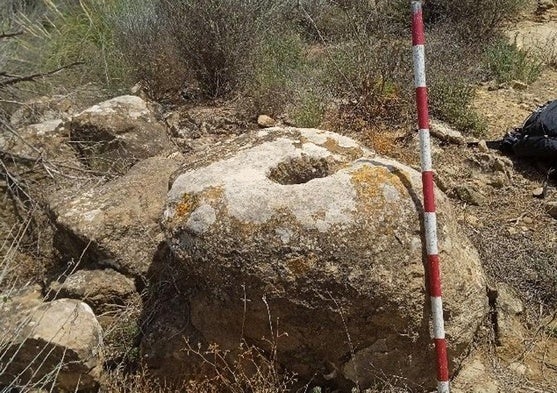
x: 84, y: 33
x: 451, y: 101
x: 506, y: 62
x: 546, y: 50
x: 309, y: 111
x: 218, y: 38
x: 278, y: 66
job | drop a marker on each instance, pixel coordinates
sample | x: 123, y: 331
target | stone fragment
x: 469, y: 194
x: 57, y: 343
x: 115, y: 134
x: 265, y: 121
x: 103, y: 290
x: 445, y: 133
x: 115, y: 225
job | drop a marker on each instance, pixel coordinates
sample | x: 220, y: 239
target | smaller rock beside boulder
x: 100, y: 289
x: 57, y: 343
x: 476, y: 376
x: 265, y: 121
x: 492, y: 169
x: 445, y: 133
x: 42, y: 109
x: 470, y: 194
x: 46, y: 140
x: 510, y: 311
x: 115, y: 225
x: 117, y: 133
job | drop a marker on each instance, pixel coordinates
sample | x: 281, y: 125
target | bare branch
x: 32, y: 77
x: 10, y: 35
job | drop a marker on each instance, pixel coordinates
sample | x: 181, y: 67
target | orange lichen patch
x: 352, y: 152
x: 301, y: 265
x: 389, y: 142
x: 186, y: 205
x: 369, y: 182
x: 319, y: 215
x: 212, y: 193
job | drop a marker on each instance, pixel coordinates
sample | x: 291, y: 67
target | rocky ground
x: 103, y: 224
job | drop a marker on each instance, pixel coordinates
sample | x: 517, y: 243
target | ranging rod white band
x: 430, y: 226
x: 419, y: 68
x: 425, y: 150
x: 442, y: 386
x: 437, y: 313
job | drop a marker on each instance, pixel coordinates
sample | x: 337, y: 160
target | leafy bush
x: 143, y: 36
x: 58, y: 33
x: 506, y: 62
x: 309, y: 110
x: 476, y: 21
x: 452, y: 71
x: 451, y: 101
x: 278, y: 66
x: 83, y: 32
x: 217, y: 39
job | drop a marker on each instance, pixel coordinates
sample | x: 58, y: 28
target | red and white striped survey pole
x: 430, y: 219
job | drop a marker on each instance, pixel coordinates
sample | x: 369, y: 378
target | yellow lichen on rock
x: 301, y: 265
x: 212, y: 194
x: 186, y: 205
x: 334, y: 147
x: 370, y: 180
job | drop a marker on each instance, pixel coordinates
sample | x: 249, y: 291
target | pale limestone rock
x: 115, y: 134
x: 115, y: 225
x: 56, y: 343
x: 295, y: 225
x: 265, y: 121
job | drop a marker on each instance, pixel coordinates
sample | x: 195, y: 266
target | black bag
x: 537, y: 138
x: 543, y: 122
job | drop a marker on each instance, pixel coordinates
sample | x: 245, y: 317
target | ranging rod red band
x: 442, y: 363
x: 418, y: 35
x: 434, y: 272
x: 423, y: 113
x: 429, y: 195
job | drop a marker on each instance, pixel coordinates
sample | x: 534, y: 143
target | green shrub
x: 63, y: 32
x: 506, y: 62
x: 476, y: 21
x: 371, y: 76
x: 217, y: 39
x: 84, y: 33
x: 309, y: 110
x: 451, y: 101
x: 278, y: 69
x: 146, y: 42
x: 452, y: 73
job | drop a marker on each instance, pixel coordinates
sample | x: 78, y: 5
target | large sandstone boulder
x: 56, y: 343
x: 115, y: 225
x: 115, y: 134
x: 308, y: 240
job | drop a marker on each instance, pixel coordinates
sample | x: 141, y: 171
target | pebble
x: 539, y: 192
x: 265, y: 121
x: 527, y: 220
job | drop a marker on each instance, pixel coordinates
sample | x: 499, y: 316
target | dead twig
x: 10, y: 35
x: 32, y: 77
